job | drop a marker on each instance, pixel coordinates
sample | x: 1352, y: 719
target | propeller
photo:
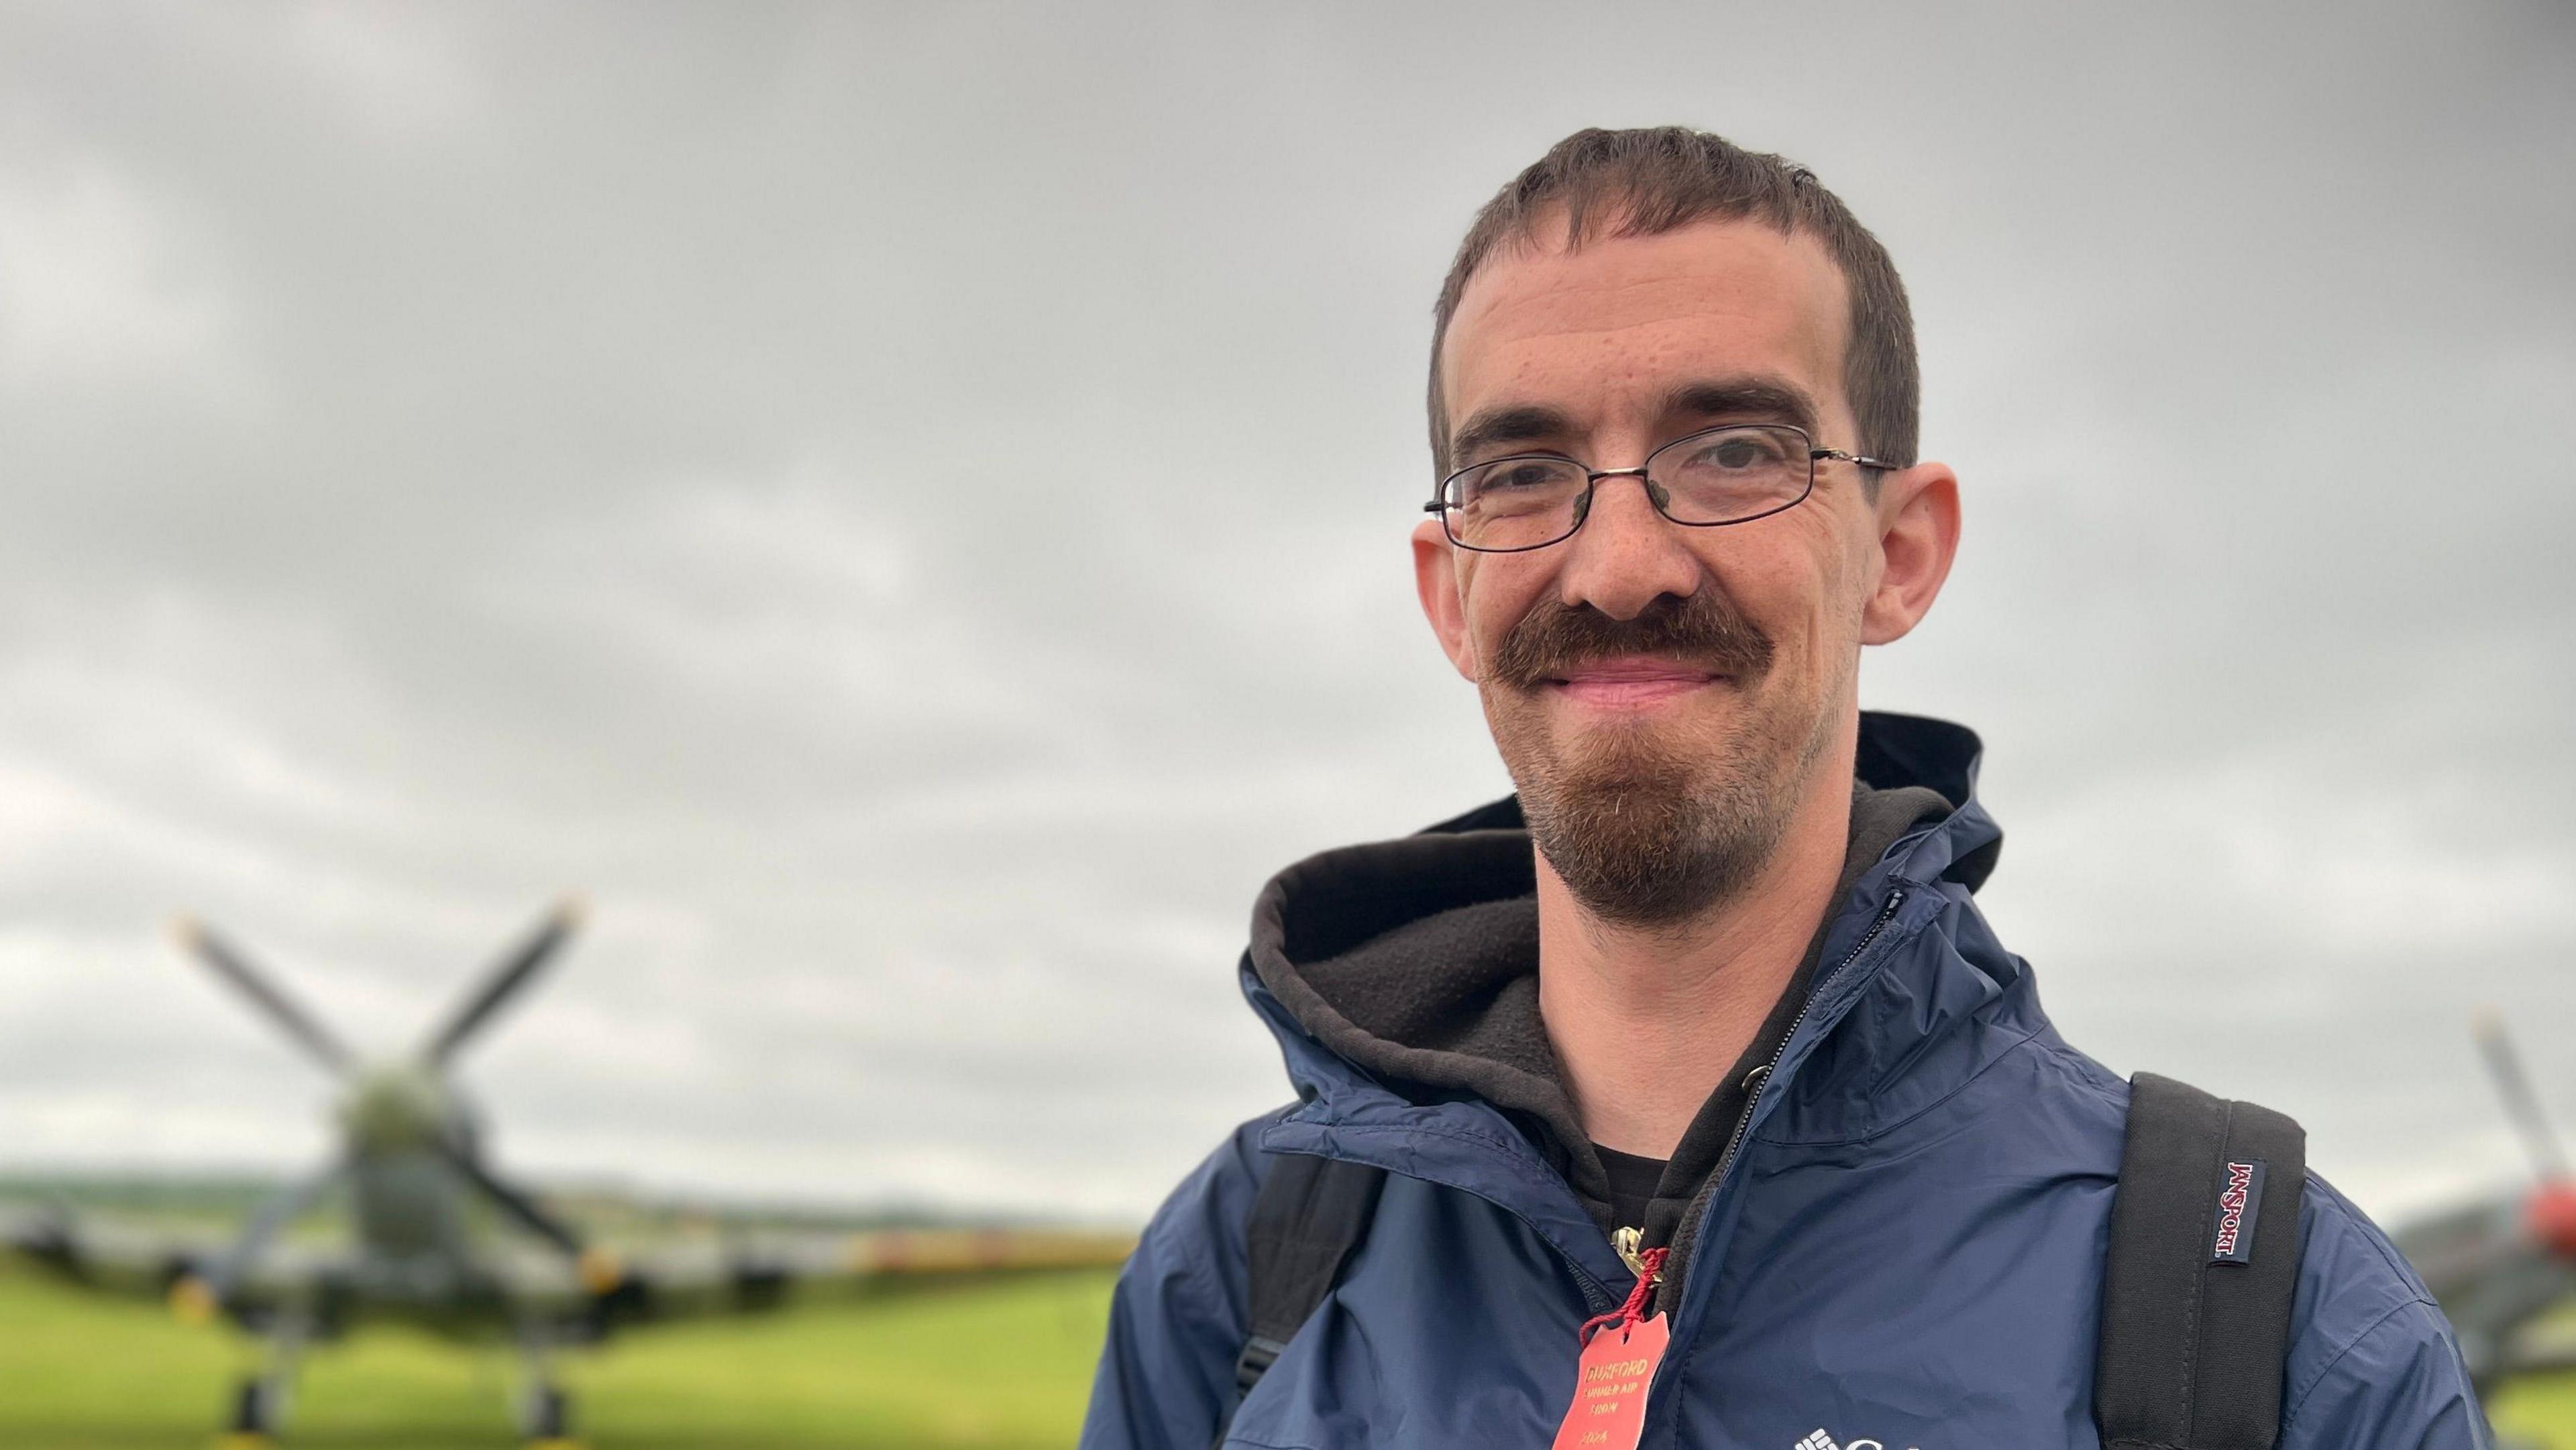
x: 2521, y: 1104
x: 229, y: 964
x: 599, y: 1271
x: 505, y: 979
x: 517, y: 1205
x: 282, y: 1208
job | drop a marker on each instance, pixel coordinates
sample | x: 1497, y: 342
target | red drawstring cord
x: 1650, y: 1265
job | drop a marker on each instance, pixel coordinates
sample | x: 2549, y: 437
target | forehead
x: 1616, y: 324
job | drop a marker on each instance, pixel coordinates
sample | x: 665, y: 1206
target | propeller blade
x: 514, y: 1203
x: 2521, y: 1104
x: 283, y: 1207
x: 229, y: 964
x: 505, y: 979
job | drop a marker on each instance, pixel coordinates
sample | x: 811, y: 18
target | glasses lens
x: 1728, y: 474
x: 1513, y: 503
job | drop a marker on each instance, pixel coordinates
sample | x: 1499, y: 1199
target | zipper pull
x: 1650, y: 1272
x: 1629, y: 1243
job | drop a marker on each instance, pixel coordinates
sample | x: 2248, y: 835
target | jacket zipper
x: 1630, y: 1244
x: 1627, y: 1241
x: 1760, y: 1077
x: 1597, y: 1296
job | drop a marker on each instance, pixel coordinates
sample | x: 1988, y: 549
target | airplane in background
x: 2500, y: 1266
x: 412, y: 1164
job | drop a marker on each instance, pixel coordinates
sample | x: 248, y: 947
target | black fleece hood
x: 1416, y: 959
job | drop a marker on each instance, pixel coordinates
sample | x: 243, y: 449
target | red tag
x: 1610, y: 1383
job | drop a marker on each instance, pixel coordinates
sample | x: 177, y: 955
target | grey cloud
x: 908, y: 509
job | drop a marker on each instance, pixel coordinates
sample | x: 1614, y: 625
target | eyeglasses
x: 1730, y: 475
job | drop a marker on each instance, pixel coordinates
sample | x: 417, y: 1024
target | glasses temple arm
x: 1852, y: 458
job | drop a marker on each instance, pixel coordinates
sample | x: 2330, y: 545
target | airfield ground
x: 993, y: 1365
x: 997, y: 1365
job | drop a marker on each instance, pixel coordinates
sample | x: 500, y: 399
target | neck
x: 1646, y: 1021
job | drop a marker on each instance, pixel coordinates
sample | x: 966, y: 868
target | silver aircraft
x: 412, y: 1175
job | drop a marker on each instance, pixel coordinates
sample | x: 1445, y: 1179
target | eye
x: 1739, y: 452
x: 1515, y: 488
x: 1518, y: 473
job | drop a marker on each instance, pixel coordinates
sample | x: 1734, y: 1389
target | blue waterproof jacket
x: 1905, y: 1251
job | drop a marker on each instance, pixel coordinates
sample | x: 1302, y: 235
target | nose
x: 1625, y: 555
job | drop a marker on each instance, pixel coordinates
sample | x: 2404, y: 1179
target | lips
x: 1630, y: 681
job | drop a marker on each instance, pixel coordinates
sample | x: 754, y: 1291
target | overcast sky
x: 906, y: 508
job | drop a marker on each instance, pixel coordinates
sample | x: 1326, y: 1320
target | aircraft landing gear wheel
x: 549, y: 1419
x: 254, y: 1416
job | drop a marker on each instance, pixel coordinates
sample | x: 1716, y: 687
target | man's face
x: 1666, y: 697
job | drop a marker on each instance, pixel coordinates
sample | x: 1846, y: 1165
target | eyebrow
x: 1512, y: 423
x: 1770, y: 400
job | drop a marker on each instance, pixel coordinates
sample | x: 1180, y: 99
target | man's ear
x: 1918, y: 536
x: 1435, y: 580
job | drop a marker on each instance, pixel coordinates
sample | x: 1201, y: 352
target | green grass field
x: 1000, y: 1365
x: 995, y: 1365
x: 2540, y: 1413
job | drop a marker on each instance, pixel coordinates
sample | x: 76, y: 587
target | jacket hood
x: 1401, y: 976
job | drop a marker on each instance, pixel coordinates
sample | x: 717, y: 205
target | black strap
x: 2204, y: 1261
x: 1307, y: 1219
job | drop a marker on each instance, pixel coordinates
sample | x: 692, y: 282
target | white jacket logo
x: 1822, y: 1441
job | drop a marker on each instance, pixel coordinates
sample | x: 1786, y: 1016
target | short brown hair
x: 1656, y: 179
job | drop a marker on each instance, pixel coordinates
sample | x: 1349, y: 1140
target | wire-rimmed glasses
x: 1729, y: 475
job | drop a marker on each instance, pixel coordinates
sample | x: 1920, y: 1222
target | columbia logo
x: 1822, y: 1441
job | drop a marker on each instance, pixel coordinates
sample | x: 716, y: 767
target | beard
x: 1651, y: 824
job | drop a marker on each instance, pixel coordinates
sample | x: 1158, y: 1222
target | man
x: 1707, y: 1021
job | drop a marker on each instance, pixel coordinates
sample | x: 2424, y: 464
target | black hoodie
x: 1417, y: 959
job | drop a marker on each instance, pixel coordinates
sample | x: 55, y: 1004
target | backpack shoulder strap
x: 1309, y: 1216
x: 2204, y: 1261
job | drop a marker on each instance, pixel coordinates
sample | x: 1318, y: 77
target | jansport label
x: 2240, y: 1197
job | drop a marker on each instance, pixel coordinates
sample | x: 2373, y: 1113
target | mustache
x: 1704, y: 629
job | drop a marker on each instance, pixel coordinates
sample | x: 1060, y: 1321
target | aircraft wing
x: 601, y: 1292
x: 715, y: 1277
x: 2494, y: 1279
x: 111, y: 1261
x: 111, y: 1258
x: 2457, y: 1248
